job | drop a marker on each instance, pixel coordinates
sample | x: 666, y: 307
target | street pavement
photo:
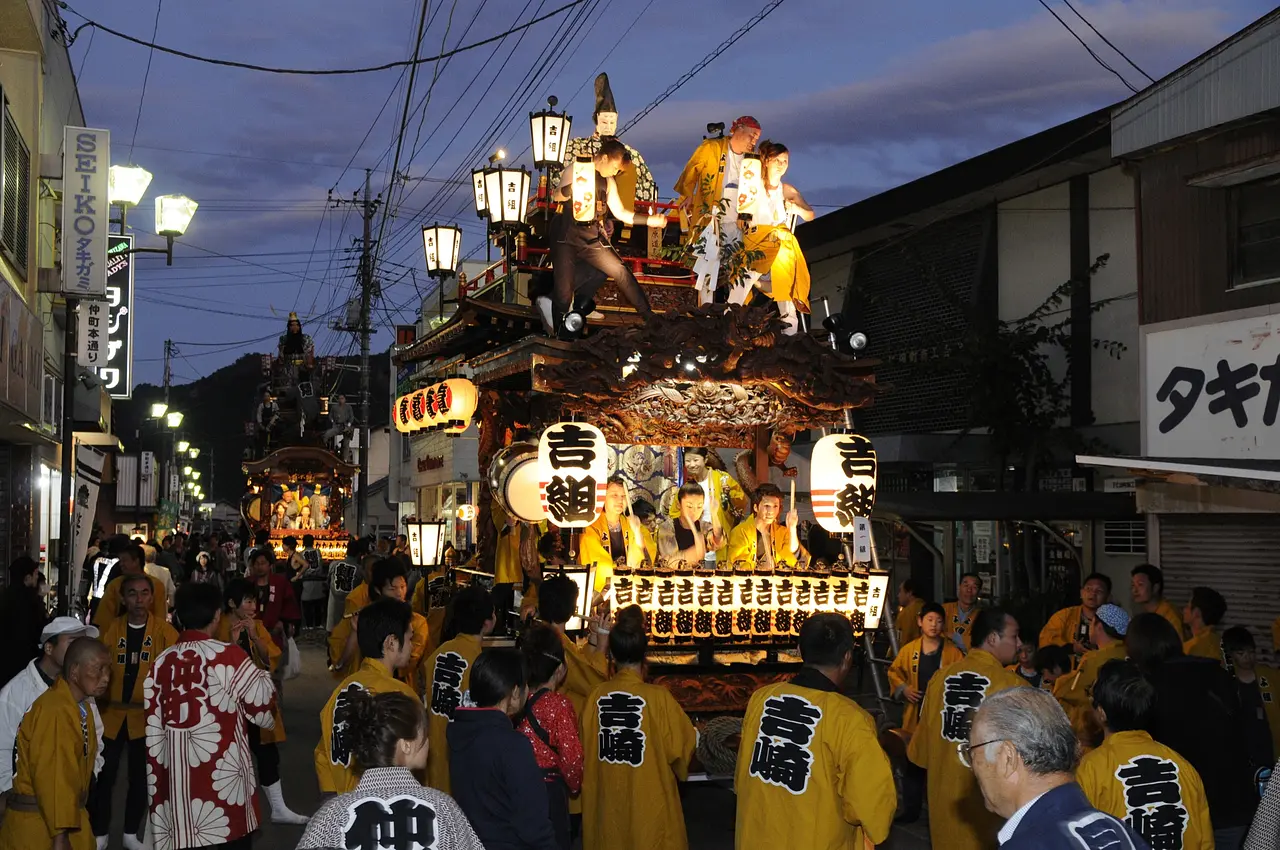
x: 708, y: 807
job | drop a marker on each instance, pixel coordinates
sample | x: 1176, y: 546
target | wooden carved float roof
x: 294, y: 461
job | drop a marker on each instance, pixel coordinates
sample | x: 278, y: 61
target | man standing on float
x: 708, y: 193
x: 575, y: 243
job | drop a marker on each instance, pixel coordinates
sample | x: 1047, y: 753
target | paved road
x: 709, y: 808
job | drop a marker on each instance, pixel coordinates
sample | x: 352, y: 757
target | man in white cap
x: 23, y: 690
x: 1107, y: 630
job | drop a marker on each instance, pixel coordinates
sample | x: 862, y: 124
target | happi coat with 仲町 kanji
x: 199, y: 696
x: 447, y: 674
x: 636, y: 742
x: 956, y: 808
x: 53, y: 765
x: 336, y: 770
x: 811, y: 772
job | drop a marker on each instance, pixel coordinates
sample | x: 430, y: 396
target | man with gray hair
x: 1024, y: 754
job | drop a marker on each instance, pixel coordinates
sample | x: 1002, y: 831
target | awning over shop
x: 1249, y: 474
x: 1006, y: 506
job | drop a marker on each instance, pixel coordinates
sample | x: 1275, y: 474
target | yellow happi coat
x: 336, y: 769
x: 952, y: 625
x: 784, y: 262
x: 410, y: 673
x: 506, y: 563
x: 630, y: 796
x: 1075, y: 690
x: 268, y: 662
x: 113, y: 601
x: 726, y: 497
x: 356, y: 599
x: 956, y: 808
x: 116, y: 712
x: 703, y: 180
x: 448, y: 676
x: 744, y: 544
x: 1131, y: 775
x: 908, y: 622
x: 1170, y: 613
x: 54, y: 755
x: 847, y: 796
x: 585, y: 669
x: 905, y: 670
x: 594, y: 548
x: 1061, y: 628
x: 1207, y: 644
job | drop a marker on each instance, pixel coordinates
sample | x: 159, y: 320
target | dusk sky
x: 866, y: 95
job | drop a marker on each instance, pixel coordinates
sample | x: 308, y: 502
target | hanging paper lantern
x: 584, y: 189
x: 573, y: 470
x: 750, y: 183
x: 843, y: 481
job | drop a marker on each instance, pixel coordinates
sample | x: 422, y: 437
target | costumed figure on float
x: 637, y: 183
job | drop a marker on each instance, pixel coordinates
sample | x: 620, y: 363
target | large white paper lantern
x: 843, y: 481
x: 573, y: 472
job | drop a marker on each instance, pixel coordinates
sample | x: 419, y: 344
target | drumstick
x: 793, y: 494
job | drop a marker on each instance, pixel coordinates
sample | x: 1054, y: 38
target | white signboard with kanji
x: 1213, y: 390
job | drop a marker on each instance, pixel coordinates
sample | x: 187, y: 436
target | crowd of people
x: 1154, y: 727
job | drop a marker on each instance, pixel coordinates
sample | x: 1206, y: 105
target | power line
x: 314, y: 72
x: 1088, y: 49
x: 1107, y: 41
x: 707, y: 60
x: 145, y: 76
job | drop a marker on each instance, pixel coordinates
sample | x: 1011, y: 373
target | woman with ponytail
x: 388, y: 737
x: 637, y: 744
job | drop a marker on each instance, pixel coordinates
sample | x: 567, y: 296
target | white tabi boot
x: 131, y: 842
x: 280, y: 813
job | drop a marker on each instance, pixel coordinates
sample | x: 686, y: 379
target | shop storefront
x: 445, y: 479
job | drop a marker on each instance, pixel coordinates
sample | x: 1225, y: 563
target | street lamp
x: 441, y: 245
x: 549, y: 130
x: 183, y: 445
x: 187, y: 470
x: 173, y: 419
x: 506, y: 192
x: 158, y: 409
x: 126, y: 184
x: 195, y: 475
x: 193, y: 453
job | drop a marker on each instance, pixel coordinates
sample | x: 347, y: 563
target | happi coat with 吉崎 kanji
x: 198, y: 696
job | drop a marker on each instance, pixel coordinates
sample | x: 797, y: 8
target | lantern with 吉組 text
x: 583, y: 190
x: 400, y: 415
x: 463, y: 399
x: 750, y: 183
x: 426, y: 543
x: 549, y: 131
x: 842, y: 481
x: 506, y: 192
x: 868, y: 593
x: 477, y: 188
x: 441, y: 244
x: 573, y: 470
x: 513, y: 481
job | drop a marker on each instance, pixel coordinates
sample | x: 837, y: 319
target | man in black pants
x: 575, y: 243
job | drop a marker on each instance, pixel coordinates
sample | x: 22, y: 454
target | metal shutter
x: 1237, y: 555
x: 15, y: 192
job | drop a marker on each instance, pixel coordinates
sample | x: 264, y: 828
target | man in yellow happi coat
x: 909, y: 605
x: 132, y: 562
x: 615, y: 535
x: 918, y: 661
x: 386, y: 643
x: 54, y: 757
x: 759, y: 541
x: 133, y: 642
x: 961, y: 613
x: 1132, y: 777
x: 956, y: 807
x: 1070, y: 627
x: 387, y: 581
x: 1075, y: 690
x: 636, y: 746
x: 448, y: 676
x: 810, y: 770
x: 1202, y: 615
x: 1146, y: 585
x: 723, y: 500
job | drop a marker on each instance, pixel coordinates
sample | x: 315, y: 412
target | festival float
x: 565, y: 399
x: 298, y: 483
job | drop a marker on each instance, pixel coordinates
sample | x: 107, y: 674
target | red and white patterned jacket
x: 200, y: 773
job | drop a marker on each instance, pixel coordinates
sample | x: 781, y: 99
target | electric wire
x: 1107, y: 41
x: 1088, y: 49
x: 151, y: 52
x: 88, y: 22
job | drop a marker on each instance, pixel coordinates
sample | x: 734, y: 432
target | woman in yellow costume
x: 783, y: 270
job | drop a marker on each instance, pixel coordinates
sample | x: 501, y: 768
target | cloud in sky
x: 867, y: 96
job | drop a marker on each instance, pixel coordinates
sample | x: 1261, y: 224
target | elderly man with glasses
x: 1024, y: 754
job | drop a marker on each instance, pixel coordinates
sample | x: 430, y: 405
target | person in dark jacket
x: 1024, y: 753
x: 1198, y: 713
x: 492, y: 770
x: 22, y: 617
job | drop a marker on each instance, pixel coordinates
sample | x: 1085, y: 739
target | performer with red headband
x: 708, y: 193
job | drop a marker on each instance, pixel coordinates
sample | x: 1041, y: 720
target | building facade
x: 926, y: 269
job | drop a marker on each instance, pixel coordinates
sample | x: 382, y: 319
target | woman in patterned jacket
x: 388, y: 733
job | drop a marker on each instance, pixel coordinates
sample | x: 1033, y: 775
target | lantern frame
x: 174, y: 214
x: 126, y: 184
x: 584, y: 577
x: 506, y: 192
x: 478, y: 193
x: 441, y: 245
x: 426, y: 543
x: 549, y: 149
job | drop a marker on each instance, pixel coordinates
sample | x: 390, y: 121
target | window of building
x: 15, y: 190
x: 1257, y: 211
x: 1125, y: 538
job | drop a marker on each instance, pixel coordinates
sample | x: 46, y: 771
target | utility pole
x: 171, y: 450
x: 368, y: 291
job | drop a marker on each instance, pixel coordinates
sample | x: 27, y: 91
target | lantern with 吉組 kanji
x: 868, y: 593
x: 842, y: 481
x: 461, y: 400
x: 549, y: 131
x: 573, y: 471
x: 426, y: 543
x: 441, y: 244
x: 583, y: 189
x: 400, y: 414
x: 750, y: 183
x: 506, y: 192
x: 477, y: 189
x: 419, y: 418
